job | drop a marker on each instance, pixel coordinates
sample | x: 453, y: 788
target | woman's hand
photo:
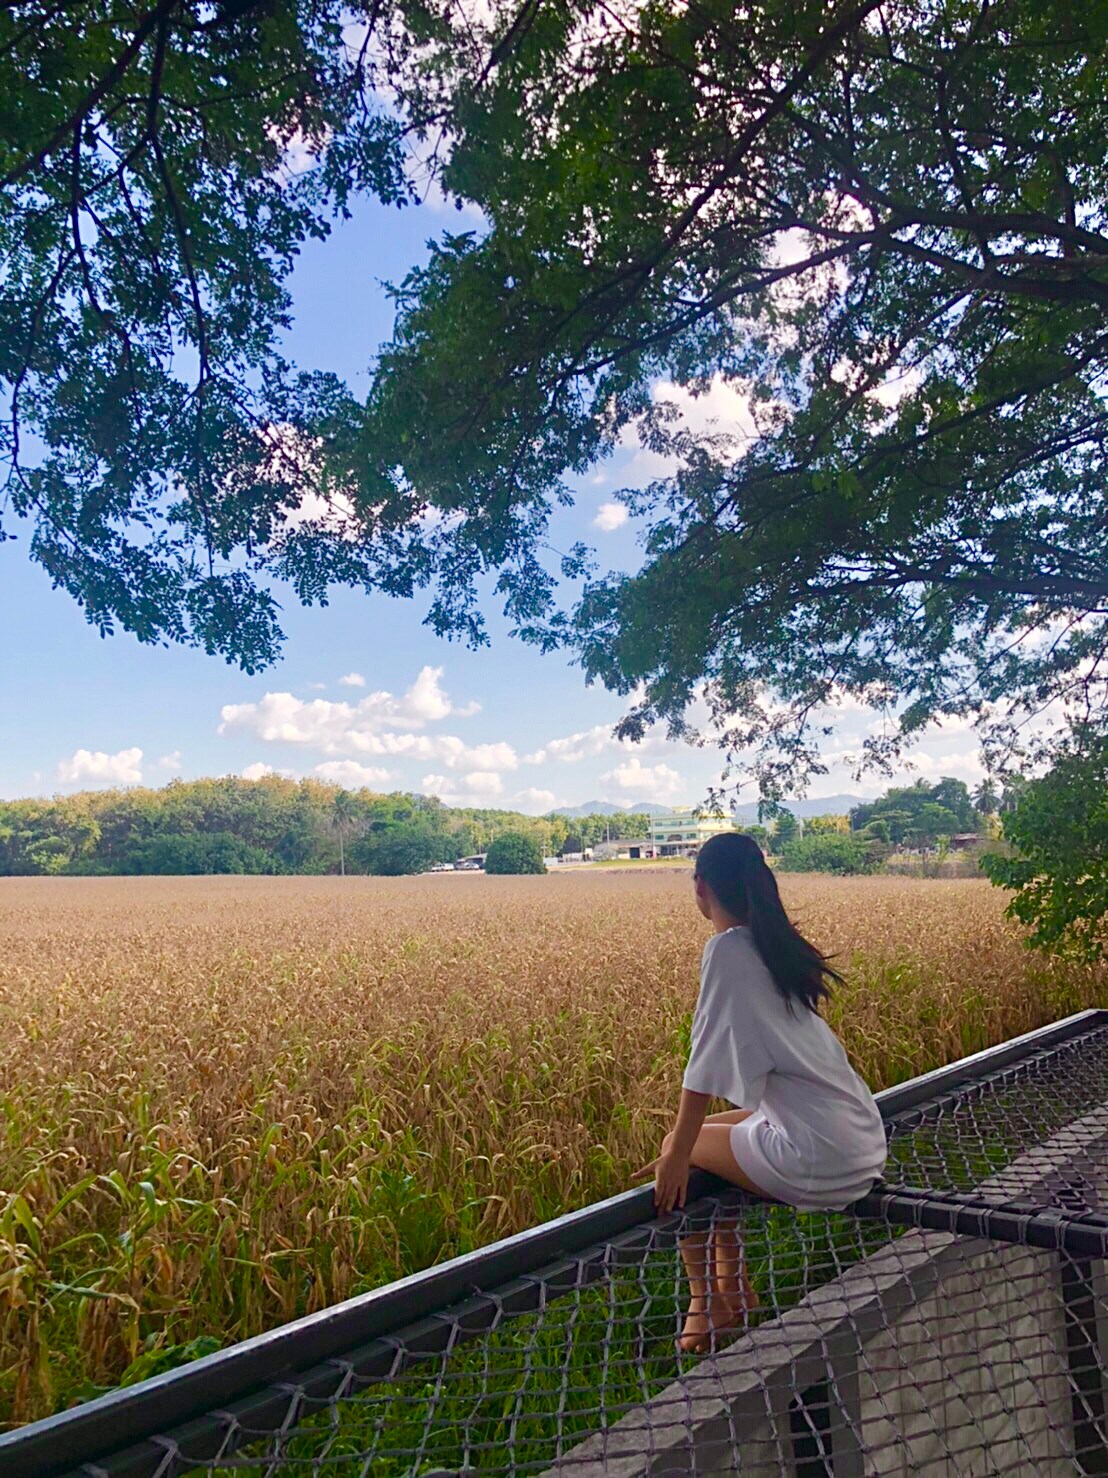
x: 671, y: 1179
x: 671, y: 1168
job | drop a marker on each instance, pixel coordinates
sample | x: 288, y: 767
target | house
x: 683, y: 831
x: 964, y: 840
x: 622, y: 849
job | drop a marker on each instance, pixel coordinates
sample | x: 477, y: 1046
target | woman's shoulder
x: 733, y: 955
x: 735, y: 947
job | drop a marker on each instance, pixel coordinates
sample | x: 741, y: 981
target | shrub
x: 403, y: 850
x: 1059, y: 829
x: 198, y: 852
x: 827, y: 852
x: 785, y: 830
x: 514, y: 852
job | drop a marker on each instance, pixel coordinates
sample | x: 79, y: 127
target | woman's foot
x: 706, y: 1325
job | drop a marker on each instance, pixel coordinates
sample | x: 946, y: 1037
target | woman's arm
x: 671, y: 1168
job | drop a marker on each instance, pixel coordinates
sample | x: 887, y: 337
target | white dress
x: 815, y: 1138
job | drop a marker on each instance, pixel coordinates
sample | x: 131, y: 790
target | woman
x: 805, y: 1129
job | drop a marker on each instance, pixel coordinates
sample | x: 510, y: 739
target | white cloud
x: 363, y: 727
x: 534, y: 802
x: 352, y: 680
x: 458, y: 755
x: 722, y: 409
x: 590, y: 743
x: 259, y: 770
x: 350, y: 772
x: 121, y: 768
x: 961, y: 765
x: 171, y: 762
x: 477, y: 788
x: 610, y: 516
x: 587, y: 743
x: 483, y: 782
x: 294, y: 459
x: 649, y: 782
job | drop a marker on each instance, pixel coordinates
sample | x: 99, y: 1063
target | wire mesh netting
x: 516, y: 1387
x: 1035, y: 1130
x: 869, y: 1351
x: 867, y: 1344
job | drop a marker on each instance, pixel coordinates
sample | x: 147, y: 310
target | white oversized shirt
x: 816, y: 1123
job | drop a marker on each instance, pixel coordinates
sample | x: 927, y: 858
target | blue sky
x: 364, y: 692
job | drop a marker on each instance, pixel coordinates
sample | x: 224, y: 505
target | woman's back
x: 782, y: 1061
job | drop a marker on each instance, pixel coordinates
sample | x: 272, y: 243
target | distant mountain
x: 605, y: 808
x: 828, y: 805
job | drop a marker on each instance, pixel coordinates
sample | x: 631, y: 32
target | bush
x: 828, y: 852
x: 198, y: 852
x: 786, y: 828
x: 514, y: 852
x: 403, y: 850
x: 1059, y: 828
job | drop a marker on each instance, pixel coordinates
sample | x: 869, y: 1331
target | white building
x: 683, y: 831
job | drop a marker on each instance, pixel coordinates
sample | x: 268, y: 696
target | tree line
x: 277, y: 825
x: 272, y: 825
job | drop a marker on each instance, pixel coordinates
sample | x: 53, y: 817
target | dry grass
x: 228, y: 1101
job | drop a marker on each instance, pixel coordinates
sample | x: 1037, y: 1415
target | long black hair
x: 734, y: 869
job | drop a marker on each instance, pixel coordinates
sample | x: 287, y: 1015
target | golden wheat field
x: 227, y: 1101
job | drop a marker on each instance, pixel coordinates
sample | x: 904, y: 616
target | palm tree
x: 986, y: 798
x: 345, y: 821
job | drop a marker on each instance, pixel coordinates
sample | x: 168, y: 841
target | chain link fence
x: 953, y: 1321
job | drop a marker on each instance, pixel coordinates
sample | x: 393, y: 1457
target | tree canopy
x: 514, y: 852
x: 229, y: 824
x: 161, y: 163
x: 881, y: 225
x: 884, y: 225
x: 917, y: 815
x: 1058, y: 866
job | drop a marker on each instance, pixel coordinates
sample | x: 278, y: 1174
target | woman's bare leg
x: 720, y: 1294
x: 695, y: 1256
x: 732, y: 1294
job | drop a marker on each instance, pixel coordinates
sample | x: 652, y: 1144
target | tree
x: 918, y: 815
x: 882, y: 228
x: 405, y: 849
x: 828, y: 852
x: 200, y: 852
x: 514, y: 852
x: 1012, y: 793
x: 151, y: 205
x: 572, y: 843
x: 229, y: 824
x: 345, y: 822
x: 986, y: 798
x: 1059, y: 871
x: 826, y: 825
x: 785, y: 829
